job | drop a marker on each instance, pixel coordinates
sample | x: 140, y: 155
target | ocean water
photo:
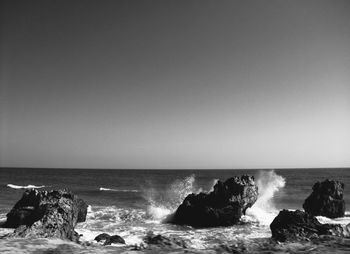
x: 132, y: 202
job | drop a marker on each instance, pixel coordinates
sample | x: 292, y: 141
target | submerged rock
x: 326, y: 199
x: 224, y: 206
x: 47, y: 214
x: 298, y: 225
x: 164, y: 242
x: 108, y: 239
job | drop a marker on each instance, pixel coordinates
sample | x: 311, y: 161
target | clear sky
x: 175, y: 84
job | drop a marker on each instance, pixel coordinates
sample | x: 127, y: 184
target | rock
x: 164, y: 242
x: 114, y: 239
x: 224, y: 206
x: 81, y: 208
x: 102, y: 237
x: 47, y: 214
x: 109, y: 239
x: 298, y: 225
x: 326, y: 199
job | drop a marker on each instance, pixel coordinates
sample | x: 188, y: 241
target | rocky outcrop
x: 326, y: 199
x: 224, y: 206
x: 47, y: 214
x: 153, y: 240
x: 108, y: 239
x: 298, y: 225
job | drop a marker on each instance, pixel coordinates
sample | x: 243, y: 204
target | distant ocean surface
x: 132, y: 202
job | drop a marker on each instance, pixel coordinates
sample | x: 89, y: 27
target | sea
x: 132, y: 203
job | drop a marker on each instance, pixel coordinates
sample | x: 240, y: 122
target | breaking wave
x: 341, y: 220
x: 160, y: 205
x: 117, y: 190
x: 13, y: 186
x: 264, y: 210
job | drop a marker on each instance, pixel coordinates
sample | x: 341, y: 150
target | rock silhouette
x: 153, y: 240
x: 224, y: 206
x: 47, y: 214
x: 326, y: 199
x: 298, y: 225
x: 109, y: 239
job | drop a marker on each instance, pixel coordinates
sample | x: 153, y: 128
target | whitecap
x: 13, y: 186
x: 117, y: 190
x: 341, y: 220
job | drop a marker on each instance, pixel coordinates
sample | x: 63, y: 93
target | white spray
x: 269, y: 183
x: 162, y: 204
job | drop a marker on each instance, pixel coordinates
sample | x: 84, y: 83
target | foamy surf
x: 13, y: 186
x: 133, y: 225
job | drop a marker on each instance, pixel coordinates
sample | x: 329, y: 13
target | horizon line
x: 263, y: 168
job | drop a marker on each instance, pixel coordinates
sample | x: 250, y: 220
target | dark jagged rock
x: 326, y: 199
x: 224, y: 206
x: 109, y: 239
x: 298, y: 225
x: 164, y: 242
x: 47, y: 214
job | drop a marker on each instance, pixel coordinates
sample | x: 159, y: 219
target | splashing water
x: 215, y: 181
x: 264, y: 210
x: 163, y: 204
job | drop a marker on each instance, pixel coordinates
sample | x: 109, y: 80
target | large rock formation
x: 326, y: 199
x: 223, y: 206
x: 298, y: 225
x: 47, y: 214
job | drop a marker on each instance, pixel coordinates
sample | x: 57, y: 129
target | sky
x: 175, y: 84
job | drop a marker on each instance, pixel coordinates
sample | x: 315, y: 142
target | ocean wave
x: 341, y: 220
x: 13, y: 186
x: 117, y: 190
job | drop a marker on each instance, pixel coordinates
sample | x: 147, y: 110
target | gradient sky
x: 175, y: 84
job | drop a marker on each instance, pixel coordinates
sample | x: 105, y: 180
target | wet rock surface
x: 326, y: 199
x: 299, y: 226
x: 46, y: 214
x: 224, y: 206
x: 109, y: 239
